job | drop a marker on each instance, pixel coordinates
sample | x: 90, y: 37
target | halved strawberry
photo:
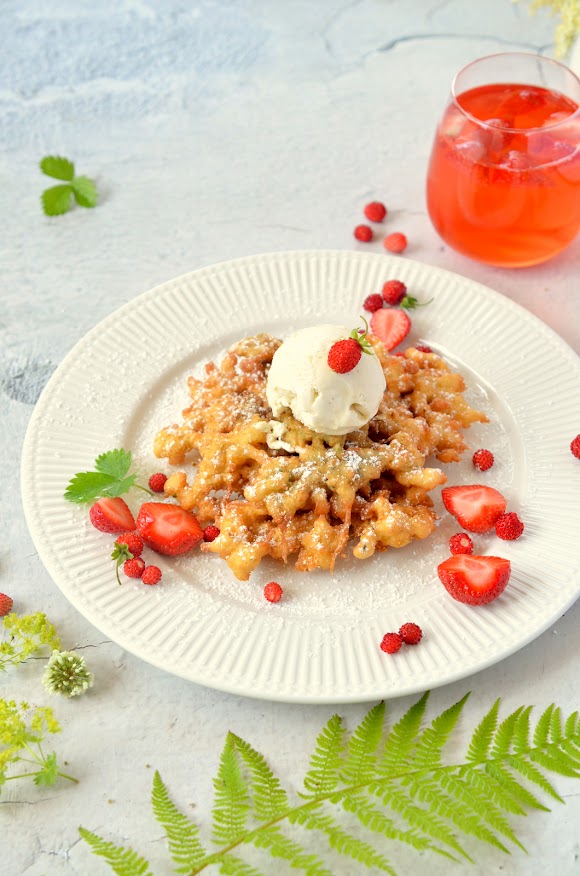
x: 112, y: 515
x: 474, y: 580
x: 168, y: 529
x: 391, y: 326
x: 476, y: 507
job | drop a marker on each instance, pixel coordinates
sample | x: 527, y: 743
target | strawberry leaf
x: 58, y: 167
x: 110, y: 479
x: 114, y: 462
x: 88, y: 485
x: 85, y: 191
x: 56, y: 200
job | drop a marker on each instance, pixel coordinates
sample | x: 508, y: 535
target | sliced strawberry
x: 476, y: 507
x: 168, y: 529
x: 390, y: 326
x: 112, y: 515
x: 474, y: 580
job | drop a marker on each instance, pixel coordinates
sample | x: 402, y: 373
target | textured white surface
x: 216, y: 130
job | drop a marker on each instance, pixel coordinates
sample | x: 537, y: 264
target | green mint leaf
x: 47, y: 776
x: 58, y: 167
x: 114, y: 462
x: 88, y: 485
x: 56, y: 200
x: 85, y: 191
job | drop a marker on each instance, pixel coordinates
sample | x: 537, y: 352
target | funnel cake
x: 371, y: 486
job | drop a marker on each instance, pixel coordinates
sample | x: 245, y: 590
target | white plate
x: 126, y: 379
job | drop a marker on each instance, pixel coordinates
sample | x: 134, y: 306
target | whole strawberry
x: 509, y: 527
x: 411, y: 634
x: 483, y: 459
x: 394, y: 291
x: 6, y: 604
x: 391, y: 643
x: 133, y: 541
x: 575, y: 446
x: 133, y: 568
x: 345, y: 355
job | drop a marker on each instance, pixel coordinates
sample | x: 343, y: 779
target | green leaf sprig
x: 410, y: 303
x: 110, y: 478
x: 58, y: 199
x: 27, y: 634
x: 392, y: 779
x: 22, y: 730
x: 360, y: 336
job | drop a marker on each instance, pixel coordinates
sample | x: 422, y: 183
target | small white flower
x: 66, y: 673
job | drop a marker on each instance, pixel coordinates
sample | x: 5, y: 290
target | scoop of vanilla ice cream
x: 301, y: 380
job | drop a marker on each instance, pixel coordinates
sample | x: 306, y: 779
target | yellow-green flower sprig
x: 568, y: 12
x: 25, y: 636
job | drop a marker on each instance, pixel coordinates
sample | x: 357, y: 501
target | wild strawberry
x: 483, y: 459
x: 210, y: 533
x: 460, y: 543
x: 391, y: 643
x: 411, y: 634
x: 168, y: 529
x: 509, y: 527
x: 6, y: 604
x: 390, y: 326
x: 112, y: 515
x: 373, y: 302
x: 394, y: 291
x: 363, y: 233
x: 133, y: 568
x: 575, y: 446
x: 344, y: 355
x: 273, y: 592
x: 157, y: 482
x: 375, y: 211
x: 476, y: 507
x: 151, y: 575
x: 133, y: 541
x: 423, y: 348
x: 474, y: 580
x: 396, y: 242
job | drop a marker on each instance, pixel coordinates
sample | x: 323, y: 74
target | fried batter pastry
x: 310, y: 499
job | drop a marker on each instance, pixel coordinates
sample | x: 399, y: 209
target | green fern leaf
x: 401, y: 740
x: 556, y: 763
x: 433, y: 738
x: 123, y: 861
x: 483, y: 735
x: 509, y: 791
x: 571, y: 750
x: 323, y: 774
x: 360, y: 762
x: 342, y: 841
x: 521, y: 740
x: 571, y: 726
x: 231, y: 805
x: 542, y: 730
x: 556, y: 725
x: 232, y: 866
x: 269, y: 798
x: 535, y: 775
x: 182, y: 834
x: 504, y: 736
x: 280, y: 846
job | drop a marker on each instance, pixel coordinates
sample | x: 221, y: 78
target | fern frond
x: 269, y: 798
x: 430, y: 744
x: 483, y: 735
x: 571, y: 727
x: 182, y: 834
x: 504, y: 736
x: 507, y: 791
x: 401, y: 740
x: 534, y: 775
x: 231, y: 805
x: 521, y: 740
x: 556, y: 725
x: 571, y: 750
x: 492, y: 788
x: 123, y: 861
x: 360, y: 762
x: 344, y: 842
x: 323, y: 773
x: 542, y: 730
x: 557, y: 762
x: 281, y: 846
x: 232, y: 866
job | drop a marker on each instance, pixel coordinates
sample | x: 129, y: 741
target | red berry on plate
x: 151, y: 575
x: 210, y: 533
x: 373, y: 302
x: 133, y: 568
x: 375, y: 211
x: 396, y: 242
x: 509, y: 527
x: 394, y: 291
x: 157, y: 482
x: 112, y: 515
x: 460, y: 543
x: 168, y: 529
x: 363, y: 233
x: 476, y: 507
x: 273, y: 592
x: 390, y: 326
x: 411, y: 634
x: 133, y: 541
x: 6, y: 604
x: 344, y: 355
x: 474, y: 580
x: 391, y: 643
x: 483, y: 459
x: 423, y: 348
x: 575, y: 446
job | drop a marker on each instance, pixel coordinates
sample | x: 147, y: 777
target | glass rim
x: 542, y: 58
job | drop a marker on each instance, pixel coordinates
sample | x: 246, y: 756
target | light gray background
x: 215, y: 130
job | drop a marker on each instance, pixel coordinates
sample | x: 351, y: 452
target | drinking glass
x: 503, y: 185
